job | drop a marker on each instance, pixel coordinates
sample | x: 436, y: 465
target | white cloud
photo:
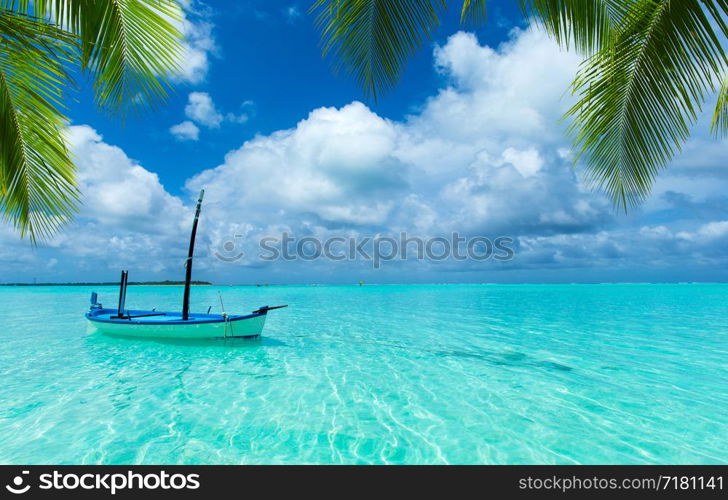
x: 241, y: 118
x: 198, y: 44
x: 516, y: 90
x: 292, y: 13
x: 201, y: 109
x: 249, y: 108
x: 117, y: 190
x: 527, y: 162
x: 127, y: 218
x: 331, y: 166
x: 714, y: 230
x: 185, y: 131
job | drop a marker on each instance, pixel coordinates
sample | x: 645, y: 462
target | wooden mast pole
x: 188, y: 262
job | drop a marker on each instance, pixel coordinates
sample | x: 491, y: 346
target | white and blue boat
x: 176, y: 325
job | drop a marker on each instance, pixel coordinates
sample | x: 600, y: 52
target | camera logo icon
x: 228, y: 251
x: 17, y: 487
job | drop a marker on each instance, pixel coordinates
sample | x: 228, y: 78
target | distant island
x: 114, y: 283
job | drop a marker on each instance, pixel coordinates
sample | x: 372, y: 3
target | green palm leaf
x: 719, y: 126
x: 130, y: 47
x: 587, y: 25
x: 372, y: 39
x: 638, y: 97
x: 473, y: 11
x: 37, y: 191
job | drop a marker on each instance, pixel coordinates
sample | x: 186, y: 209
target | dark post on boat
x: 188, y: 262
x: 123, y: 283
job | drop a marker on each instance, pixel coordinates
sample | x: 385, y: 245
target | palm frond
x: 719, y: 126
x: 372, y: 39
x: 587, y: 25
x: 37, y: 176
x: 639, y: 96
x: 473, y: 11
x: 718, y: 9
x: 130, y: 47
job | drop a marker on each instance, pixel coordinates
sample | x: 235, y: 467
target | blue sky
x: 266, y: 52
x: 470, y: 141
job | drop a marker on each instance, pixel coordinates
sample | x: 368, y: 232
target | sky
x: 471, y: 141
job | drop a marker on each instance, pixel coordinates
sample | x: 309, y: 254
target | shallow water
x: 376, y: 374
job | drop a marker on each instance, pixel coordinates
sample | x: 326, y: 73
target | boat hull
x: 171, y: 326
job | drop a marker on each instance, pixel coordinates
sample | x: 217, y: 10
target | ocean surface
x: 397, y: 374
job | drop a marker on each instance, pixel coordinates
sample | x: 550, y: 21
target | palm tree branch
x: 37, y: 176
x: 131, y: 47
x: 719, y: 125
x: 473, y: 11
x: 639, y: 96
x: 372, y: 39
x: 586, y: 25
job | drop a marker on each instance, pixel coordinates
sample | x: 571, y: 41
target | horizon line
x: 208, y: 283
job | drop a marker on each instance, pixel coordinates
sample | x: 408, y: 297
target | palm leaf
x: 37, y: 190
x: 473, y: 11
x: 639, y: 96
x: 587, y: 25
x: 130, y: 47
x: 719, y: 127
x: 372, y: 39
x: 718, y: 9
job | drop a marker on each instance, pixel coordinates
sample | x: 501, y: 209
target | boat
x: 175, y: 325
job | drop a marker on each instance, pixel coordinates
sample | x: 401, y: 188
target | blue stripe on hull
x: 160, y: 318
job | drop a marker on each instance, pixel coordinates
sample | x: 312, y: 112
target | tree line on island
x: 111, y: 283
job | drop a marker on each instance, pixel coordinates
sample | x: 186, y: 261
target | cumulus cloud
x: 185, y: 131
x: 336, y: 166
x: 201, y: 109
x: 116, y: 189
x: 127, y: 218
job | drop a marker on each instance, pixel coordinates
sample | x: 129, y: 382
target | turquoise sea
x: 397, y: 374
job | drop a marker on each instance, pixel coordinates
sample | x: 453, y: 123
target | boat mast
x: 188, y: 262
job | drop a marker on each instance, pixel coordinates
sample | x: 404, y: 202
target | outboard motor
x: 94, y: 301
